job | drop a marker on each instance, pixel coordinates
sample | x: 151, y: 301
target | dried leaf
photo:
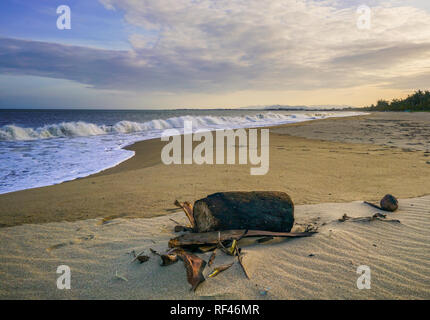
x: 232, y: 249
x: 168, y: 259
x: 154, y: 252
x: 194, y: 266
x: 220, y: 269
x: 121, y: 277
x: 212, y: 258
x: 142, y: 258
x: 188, y: 209
x: 136, y: 256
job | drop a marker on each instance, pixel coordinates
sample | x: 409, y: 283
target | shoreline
x: 129, y: 146
x: 311, y: 170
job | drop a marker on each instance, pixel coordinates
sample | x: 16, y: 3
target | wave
x: 83, y: 129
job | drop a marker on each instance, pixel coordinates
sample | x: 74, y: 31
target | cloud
x: 231, y: 45
x: 380, y: 59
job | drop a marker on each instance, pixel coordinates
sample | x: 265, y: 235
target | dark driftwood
x: 215, y: 237
x: 257, y: 210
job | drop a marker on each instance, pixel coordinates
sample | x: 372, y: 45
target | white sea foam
x: 36, y: 157
x: 84, y: 129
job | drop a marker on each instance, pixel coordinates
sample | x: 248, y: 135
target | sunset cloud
x: 231, y: 45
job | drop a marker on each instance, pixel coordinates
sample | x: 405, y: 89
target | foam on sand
x: 320, y: 267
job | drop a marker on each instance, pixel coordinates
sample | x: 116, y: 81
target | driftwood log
x: 258, y: 210
x: 205, y: 238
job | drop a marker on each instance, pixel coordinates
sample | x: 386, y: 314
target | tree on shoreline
x: 419, y: 101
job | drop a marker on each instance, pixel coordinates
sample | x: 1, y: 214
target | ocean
x: 45, y: 147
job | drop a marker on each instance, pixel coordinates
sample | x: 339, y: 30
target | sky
x: 151, y: 54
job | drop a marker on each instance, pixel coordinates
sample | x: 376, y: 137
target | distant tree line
x: 419, y: 101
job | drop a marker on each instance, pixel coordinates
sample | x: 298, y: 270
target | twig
x: 219, y: 269
x: 137, y: 256
x: 219, y: 241
x: 120, y: 276
x: 373, y: 205
x: 243, y: 235
x: 239, y: 258
x: 188, y: 209
x: 221, y: 246
x: 175, y: 221
x: 376, y: 216
x: 155, y: 252
x: 212, y: 258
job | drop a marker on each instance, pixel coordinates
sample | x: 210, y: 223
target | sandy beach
x: 292, y: 138
x: 331, y: 160
x: 328, y: 167
x: 320, y: 267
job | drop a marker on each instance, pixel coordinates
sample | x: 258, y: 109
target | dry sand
x: 323, y: 165
x: 408, y: 131
x: 398, y: 255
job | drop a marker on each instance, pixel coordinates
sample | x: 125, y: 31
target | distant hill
x: 300, y: 108
x: 419, y: 101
